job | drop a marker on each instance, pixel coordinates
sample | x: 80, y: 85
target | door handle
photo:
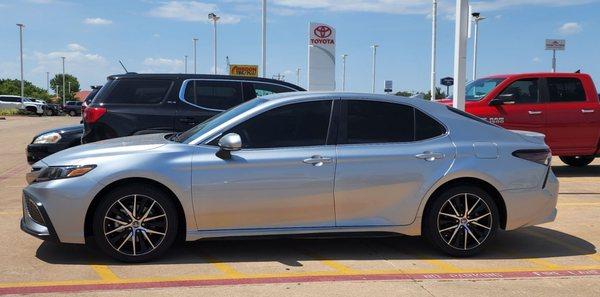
x: 429, y: 156
x: 535, y: 112
x: 587, y: 111
x: 317, y: 160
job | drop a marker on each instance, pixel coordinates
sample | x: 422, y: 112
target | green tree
x: 404, y: 93
x: 56, y: 83
x: 13, y: 87
x: 438, y: 94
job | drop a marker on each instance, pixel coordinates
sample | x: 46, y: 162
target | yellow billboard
x: 243, y: 70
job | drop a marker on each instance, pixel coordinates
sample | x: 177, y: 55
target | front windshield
x: 198, y: 130
x: 478, y: 89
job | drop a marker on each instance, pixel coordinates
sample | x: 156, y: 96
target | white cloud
x: 163, y: 65
x: 97, y: 21
x: 191, y: 11
x: 570, y: 28
x: 536, y: 59
x: 76, y: 47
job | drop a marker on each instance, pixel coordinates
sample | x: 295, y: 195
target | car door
x: 523, y: 108
x: 571, y: 121
x: 388, y: 156
x: 205, y: 98
x: 281, y: 178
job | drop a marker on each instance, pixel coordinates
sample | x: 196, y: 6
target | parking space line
x: 335, y: 265
x: 104, y: 272
x: 574, y: 248
x: 225, y: 268
x: 579, y: 204
x: 11, y: 212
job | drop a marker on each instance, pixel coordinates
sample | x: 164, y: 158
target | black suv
x: 134, y: 104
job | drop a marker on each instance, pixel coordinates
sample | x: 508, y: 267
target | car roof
x: 540, y: 74
x: 184, y: 76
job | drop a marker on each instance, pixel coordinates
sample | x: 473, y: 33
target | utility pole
x: 228, y: 64
x: 375, y: 46
x: 476, y: 18
x: 69, y: 88
x: 63, y: 80
x: 433, y: 48
x: 185, y: 67
x: 264, y: 38
x: 214, y: 18
x: 344, y: 56
x: 460, y: 53
x: 21, y: 54
x: 195, y: 41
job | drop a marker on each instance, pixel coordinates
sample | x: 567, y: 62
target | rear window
x: 136, y: 91
x: 565, y: 89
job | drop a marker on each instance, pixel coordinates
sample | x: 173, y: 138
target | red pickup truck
x: 563, y: 106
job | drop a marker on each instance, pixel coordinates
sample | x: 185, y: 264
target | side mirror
x: 227, y: 144
x: 503, y: 99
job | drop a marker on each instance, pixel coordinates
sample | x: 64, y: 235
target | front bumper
x: 35, y: 220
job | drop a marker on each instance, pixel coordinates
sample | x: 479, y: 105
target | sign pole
x: 553, y: 60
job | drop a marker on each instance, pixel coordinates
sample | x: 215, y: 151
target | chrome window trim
x: 241, y: 81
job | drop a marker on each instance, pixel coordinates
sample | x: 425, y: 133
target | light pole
x: 63, y: 80
x: 375, y: 46
x: 433, y: 47
x: 48, y: 82
x: 264, y: 38
x: 298, y: 76
x: 195, y: 41
x: 460, y: 53
x: 69, y: 92
x: 344, y: 56
x: 476, y: 18
x: 21, y: 53
x: 214, y: 18
x: 185, y: 66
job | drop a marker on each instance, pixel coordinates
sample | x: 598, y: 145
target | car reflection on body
x: 298, y: 163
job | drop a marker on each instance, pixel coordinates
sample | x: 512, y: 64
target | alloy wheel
x: 135, y: 225
x: 464, y: 221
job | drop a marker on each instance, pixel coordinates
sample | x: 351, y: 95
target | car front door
x: 388, y: 156
x: 281, y: 178
x: 523, y: 108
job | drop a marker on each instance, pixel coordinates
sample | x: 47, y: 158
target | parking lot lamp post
x: 298, y: 76
x: 185, y: 66
x: 375, y: 46
x: 264, y: 38
x: 21, y: 54
x: 344, y: 56
x: 63, y: 80
x: 214, y: 18
x: 476, y: 18
x: 69, y: 90
x: 48, y: 82
x: 195, y: 41
x: 460, y: 53
x: 433, y: 47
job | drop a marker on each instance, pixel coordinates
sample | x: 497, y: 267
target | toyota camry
x: 298, y: 163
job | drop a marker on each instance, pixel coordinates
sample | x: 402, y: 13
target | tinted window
x: 522, y: 91
x: 138, y: 91
x: 377, y: 122
x: 91, y: 95
x: 300, y: 124
x: 219, y: 95
x: 10, y: 99
x: 263, y: 89
x: 426, y: 127
x: 565, y: 90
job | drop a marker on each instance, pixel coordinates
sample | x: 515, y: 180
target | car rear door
x: 572, y: 117
x: 388, y: 156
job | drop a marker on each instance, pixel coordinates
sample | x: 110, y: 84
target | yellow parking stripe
x: 225, y: 268
x: 573, y: 248
x: 579, y: 204
x: 105, y: 273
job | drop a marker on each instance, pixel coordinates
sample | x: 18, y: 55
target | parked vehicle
x: 52, y: 141
x: 298, y: 163
x: 134, y: 104
x: 16, y: 102
x: 53, y: 109
x: 562, y: 106
x: 72, y: 108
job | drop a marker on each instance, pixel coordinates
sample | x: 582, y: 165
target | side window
x: 376, y: 122
x: 426, y: 127
x: 219, y: 95
x: 565, y: 90
x: 263, y: 89
x: 299, y: 124
x: 522, y: 91
x: 9, y: 99
x: 138, y: 91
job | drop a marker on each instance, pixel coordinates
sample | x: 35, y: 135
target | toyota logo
x: 323, y: 31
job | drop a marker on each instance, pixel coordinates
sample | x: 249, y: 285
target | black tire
x: 450, y: 240
x: 578, y: 161
x: 72, y: 113
x: 110, y: 207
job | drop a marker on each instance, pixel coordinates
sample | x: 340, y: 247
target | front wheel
x: 461, y: 221
x: 577, y: 161
x: 135, y: 223
x: 72, y: 113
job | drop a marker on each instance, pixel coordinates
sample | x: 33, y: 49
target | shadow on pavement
x: 568, y: 171
x: 531, y: 242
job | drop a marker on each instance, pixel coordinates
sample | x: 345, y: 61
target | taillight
x: 92, y: 114
x: 538, y: 156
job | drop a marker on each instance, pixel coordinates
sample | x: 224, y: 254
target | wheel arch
x: 89, y: 216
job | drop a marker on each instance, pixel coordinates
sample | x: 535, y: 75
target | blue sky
x: 154, y: 36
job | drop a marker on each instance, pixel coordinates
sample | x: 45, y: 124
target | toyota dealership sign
x: 321, y: 57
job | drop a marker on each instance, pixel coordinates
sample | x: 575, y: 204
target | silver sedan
x: 298, y: 163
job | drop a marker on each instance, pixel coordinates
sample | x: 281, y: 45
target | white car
x: 16, y: 102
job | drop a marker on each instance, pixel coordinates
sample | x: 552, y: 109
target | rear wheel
x: 577, y: 161
x: 72, y: 113
x: 135, y: 223
x: 461, y: 221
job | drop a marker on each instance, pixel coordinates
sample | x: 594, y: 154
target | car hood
x: 111, y: 148
x: 64, y: 130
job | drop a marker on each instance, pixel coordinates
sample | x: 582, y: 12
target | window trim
x: 184, y: 84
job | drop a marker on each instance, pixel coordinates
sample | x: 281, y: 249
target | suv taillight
x: 92, y: 114
x: 538, y: 156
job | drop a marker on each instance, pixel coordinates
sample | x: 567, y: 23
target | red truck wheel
x: 577, y: 161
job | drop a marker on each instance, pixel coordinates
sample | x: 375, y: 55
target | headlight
x: 58, y: 172
x: 51, y: 137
